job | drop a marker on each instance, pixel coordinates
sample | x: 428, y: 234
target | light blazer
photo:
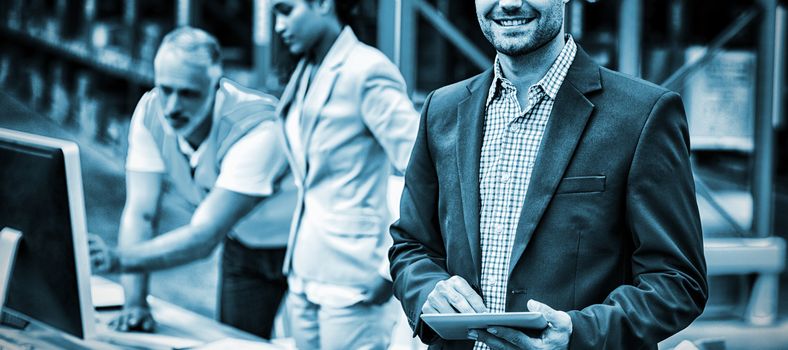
x: 359, y: 122
x: 609, y: 230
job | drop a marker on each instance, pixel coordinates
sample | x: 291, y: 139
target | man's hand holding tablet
x: 502, y: 330
x: 452, y: 296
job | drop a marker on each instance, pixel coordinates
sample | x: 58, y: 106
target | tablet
x: 456, y: 326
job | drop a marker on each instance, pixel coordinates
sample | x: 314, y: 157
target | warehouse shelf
x: 108, y: 60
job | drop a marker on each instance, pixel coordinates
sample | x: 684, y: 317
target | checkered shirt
x: 511, y: 142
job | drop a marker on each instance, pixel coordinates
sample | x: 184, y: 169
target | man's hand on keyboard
x: 103, y: 259
x: 134, y: 318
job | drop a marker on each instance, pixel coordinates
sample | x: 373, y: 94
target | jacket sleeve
x: 418, y: 258
x: 388, y: 112
x: 669, y: 287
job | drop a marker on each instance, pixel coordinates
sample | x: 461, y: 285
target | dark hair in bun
x: 346, y: 10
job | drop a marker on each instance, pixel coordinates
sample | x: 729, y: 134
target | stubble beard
x: 548, y: 26
x: 523, y: 44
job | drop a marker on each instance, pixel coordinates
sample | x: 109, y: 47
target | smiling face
x: 186, y: 92
x: 299, y: 23
x: 519, y: 27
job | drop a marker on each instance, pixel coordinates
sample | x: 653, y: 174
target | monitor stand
x: 15, y: 329
x: 11, y: 320
x: 9, y: 241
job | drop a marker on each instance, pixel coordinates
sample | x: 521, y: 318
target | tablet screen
x: 456, y: 326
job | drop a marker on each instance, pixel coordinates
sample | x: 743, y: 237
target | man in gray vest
x: 217, y: 144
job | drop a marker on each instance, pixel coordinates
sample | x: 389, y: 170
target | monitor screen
x: 41, y: 196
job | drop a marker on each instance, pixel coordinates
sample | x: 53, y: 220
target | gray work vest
x: 268, y: 224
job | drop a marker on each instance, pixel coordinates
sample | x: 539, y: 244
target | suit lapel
x: 564, y: 129
x: 315, y: 100
x: 323, y: 83
x: 282, y: 109
x: 289, y: 93
x: 470, y: 131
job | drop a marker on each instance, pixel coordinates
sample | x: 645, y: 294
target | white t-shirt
x: 249, y: 167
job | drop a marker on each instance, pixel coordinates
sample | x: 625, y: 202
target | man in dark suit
x: 550, y: 178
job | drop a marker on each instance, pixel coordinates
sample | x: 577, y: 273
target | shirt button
x: 499, y: 228
x: 505, y: 177
x: 491, y: 280
x: 515, y: 127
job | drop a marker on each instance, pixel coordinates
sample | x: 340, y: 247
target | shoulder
x: 449, y: 96
x: 146, y: 101
x: 244, y: 105
x: 237, y: 94
x: 617, y: 89
x: 368, y: 62
x: 629, y: 92
x: 149, y: 96
x: 460, y: 90
x: 627, y: 104
x: 441, y: 108
x: 143, y: 153
x: 365, y: 56
x: 145, y: 108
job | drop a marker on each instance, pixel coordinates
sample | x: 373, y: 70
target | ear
x: 325, y: 6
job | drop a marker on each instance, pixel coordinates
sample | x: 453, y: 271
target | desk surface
x: 176, y: 328
x: 175, y: 325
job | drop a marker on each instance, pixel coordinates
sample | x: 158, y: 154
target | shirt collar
x: 550, y: 82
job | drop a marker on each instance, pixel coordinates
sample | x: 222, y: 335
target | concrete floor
x: 737, y: 335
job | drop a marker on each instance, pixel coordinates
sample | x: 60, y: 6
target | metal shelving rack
x: 102, y: 52
x: 109, y: 61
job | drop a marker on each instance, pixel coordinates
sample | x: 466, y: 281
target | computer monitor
x: 41, y: 197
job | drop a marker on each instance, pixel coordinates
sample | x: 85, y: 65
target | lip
x: 178, y: 122
x: 513, y: 22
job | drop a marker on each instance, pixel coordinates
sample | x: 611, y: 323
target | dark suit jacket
x: 609, y: 230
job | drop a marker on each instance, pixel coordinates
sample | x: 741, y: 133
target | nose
x: 172, y: 104
x: 510, y: 5
x: 279, y: 24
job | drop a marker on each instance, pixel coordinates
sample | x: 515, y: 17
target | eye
x: 283, y: 9
x: 166, y: 90
x: 191, y: 94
